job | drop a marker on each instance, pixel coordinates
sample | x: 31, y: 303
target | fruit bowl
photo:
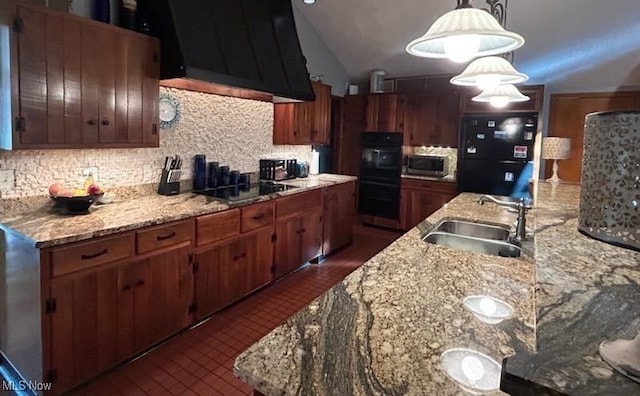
x: 78, y: 204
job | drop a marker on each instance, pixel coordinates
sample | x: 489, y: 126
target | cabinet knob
x: 92, y: 122
x: 105, y: 122
x: 140, y: 283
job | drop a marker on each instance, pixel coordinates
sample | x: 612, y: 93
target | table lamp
x: 555, y: 148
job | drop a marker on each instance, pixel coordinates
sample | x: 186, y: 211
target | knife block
x: 167, y: 188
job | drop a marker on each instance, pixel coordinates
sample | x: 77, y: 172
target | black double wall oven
x: 380, y: 170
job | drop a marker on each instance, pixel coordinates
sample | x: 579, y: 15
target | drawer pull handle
x: 164, y: 237
x: 243, y: 255
x: 258, y: 217
x: 126, y: 288
x: 139, y: 283
x: 92, y: 256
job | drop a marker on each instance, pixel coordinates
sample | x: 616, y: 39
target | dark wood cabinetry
x: 79, y: 83
x: 339, y: 216
x: 535, y: 92
x: 432, y: 118
x: 385, y: 112
x: 306, y: 122
x: 102, y: 315
x: 349, y: 140
x: 420, y: 198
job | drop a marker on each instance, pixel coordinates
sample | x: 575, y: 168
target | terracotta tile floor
x: 200, y: 361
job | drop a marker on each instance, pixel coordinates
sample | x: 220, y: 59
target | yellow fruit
x: 79, y: 192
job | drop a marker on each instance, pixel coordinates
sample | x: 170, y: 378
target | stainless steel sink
x: 477, y: 230
x: 473, y: 244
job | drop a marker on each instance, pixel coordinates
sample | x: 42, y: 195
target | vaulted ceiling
x: 570, y: 44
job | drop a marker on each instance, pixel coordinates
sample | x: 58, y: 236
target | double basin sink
x: 473, y: 237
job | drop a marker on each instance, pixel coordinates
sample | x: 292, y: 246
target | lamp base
x: 624, y: 356
x: 554, y: 179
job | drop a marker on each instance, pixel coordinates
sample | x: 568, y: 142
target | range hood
x: 241, y: 43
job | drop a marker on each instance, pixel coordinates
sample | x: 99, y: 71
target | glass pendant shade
x: 464, y: 34
x: 488, y: 72
x: 501, y: 95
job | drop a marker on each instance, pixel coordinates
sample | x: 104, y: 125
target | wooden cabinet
x: 339, y: 215
x: 385, y: 113
x: 104, y: 315
x: 349, y: 141
x: 228, y: 272
x: 306, y: 122
x: 298, y: 231
x: 535, y: 92
x: 420, y: 198
x: 80, y: 83
x: 431, y: 119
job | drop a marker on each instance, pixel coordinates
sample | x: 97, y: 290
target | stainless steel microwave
x: 428, y: 165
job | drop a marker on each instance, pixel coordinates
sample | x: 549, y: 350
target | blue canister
x: 199, y: 172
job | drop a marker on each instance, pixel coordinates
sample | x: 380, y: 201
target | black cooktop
x: 244, y: 192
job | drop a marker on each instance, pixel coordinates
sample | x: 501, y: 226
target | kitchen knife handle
x: 165, y: 237
x: 92, y: 256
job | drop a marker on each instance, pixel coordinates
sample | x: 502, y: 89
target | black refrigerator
x: 496, y: 153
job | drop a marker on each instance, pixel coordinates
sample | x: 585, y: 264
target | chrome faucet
x: 521, y: 206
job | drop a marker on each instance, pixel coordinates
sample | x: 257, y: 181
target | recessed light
x: 473, y: 371
x: 488, y: 309
x: 308, y: 1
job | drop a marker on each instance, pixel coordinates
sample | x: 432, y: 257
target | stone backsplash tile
x: 235, y: 132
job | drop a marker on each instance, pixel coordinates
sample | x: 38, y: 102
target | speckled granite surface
x: 47, y: 227
x: 587, y: 292
x: 382, y: 330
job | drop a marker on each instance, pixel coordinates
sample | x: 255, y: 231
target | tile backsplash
x: 235, y: 132
x: 451, y: 153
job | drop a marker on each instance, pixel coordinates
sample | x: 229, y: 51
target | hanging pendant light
x: 501, y: 95
x: 489, y: 72
x: 463, y: 34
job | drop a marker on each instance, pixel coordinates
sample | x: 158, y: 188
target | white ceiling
x: 570, y: 44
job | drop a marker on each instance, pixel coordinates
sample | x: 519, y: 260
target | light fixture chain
x: 499, y: 11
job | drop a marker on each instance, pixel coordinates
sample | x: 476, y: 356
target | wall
x: 320, y: 59
x: 233, y: 131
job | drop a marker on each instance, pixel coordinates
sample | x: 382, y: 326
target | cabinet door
x: 302, y: 123
x: 447, y: 119
x: 420, y: 116
x: 259, y: 259
x: 339, y: 213
x: 321, y: 114
x: 420, y: 204
x: 166, y: 291
x: 207, y: 292
x: 49, y: 60
x: 310, y: 236
x: 283, y: 123
x: 287, y: 248
x: 86, y: 326
x: 149, y: 62
x: 385, y: 113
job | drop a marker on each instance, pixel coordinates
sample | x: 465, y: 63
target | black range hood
x: 241, y: 43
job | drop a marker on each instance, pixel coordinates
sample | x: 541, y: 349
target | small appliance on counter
x: 277, y: 169
x: 302, y: 169
x: 244, y: 192
x: 428, y: 165
x: 170, y: 179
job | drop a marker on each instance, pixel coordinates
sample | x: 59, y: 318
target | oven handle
x: 379, y: 183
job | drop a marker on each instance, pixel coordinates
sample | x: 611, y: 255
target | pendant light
x: 463, y: 34
x: 501, y: 95
x: 489, y: 72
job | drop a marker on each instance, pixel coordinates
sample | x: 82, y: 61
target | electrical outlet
x: 93, y: 170
x: 7, y: 179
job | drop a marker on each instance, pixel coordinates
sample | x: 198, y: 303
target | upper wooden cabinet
x: 305, y: 122
x: 431, y: 119
x: 77, y: 83
x: 535, y: 92
x: 385, y: 113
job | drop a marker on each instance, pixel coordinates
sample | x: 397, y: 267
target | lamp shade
x: 556, y: 148
x: 501, y: 95
x: 469, y: 30
x: 488, y: 72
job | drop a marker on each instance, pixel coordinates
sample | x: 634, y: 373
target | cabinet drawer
x: 217, y: 226
x: 297, y: 204
x: 417, y: 184
x: 90, y: 254
x: 256, y: 216
x: 165, y: 235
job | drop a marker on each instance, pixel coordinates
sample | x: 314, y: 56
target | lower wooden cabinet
x: 339, y: 216
x: 228, y: 272
x: 298, y: 240
x: 421, y: 198
x: 102, y: 316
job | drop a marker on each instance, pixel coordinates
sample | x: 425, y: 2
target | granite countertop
x: 587, y: 292
x: 47, y: 228
x: 383, y: 329
x: 448, y: 178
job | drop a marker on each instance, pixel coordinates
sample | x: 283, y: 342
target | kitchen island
x: 383, y: 329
